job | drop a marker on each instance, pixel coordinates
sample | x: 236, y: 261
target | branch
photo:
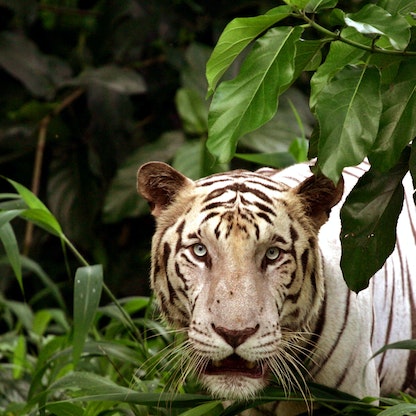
x: 337, y: 36
x: 40, y: 150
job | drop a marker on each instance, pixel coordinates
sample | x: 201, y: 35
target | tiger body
x: 247, y: 263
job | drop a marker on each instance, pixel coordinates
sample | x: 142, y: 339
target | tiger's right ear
x: 159, y: 183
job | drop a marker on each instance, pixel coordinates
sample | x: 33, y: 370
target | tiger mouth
x: 236, y: 366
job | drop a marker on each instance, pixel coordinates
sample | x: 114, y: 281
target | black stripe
x: 264, y: 217
x: 390, y: 321
x: 411, y: 363
x: 293, y: 234
x: 340, y: 334
x: 304, y: 257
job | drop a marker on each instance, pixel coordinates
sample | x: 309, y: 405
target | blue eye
x: 199, y: 250
x: 272, y: 253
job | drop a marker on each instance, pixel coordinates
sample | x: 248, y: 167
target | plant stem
x: 40, y: 150
x: 337, y: 36
x: 107, y: 291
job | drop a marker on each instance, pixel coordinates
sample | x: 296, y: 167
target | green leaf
x: 274, y: 160
x: 214, y: 408
x: 43, y: 219
x: 65, y: 409
x: 340, y: 55
x: 401, y: 409
x: 299, y: 149
x: 11, y: 247
x: 397, y: 126
x: 188, y: 159
x: 250, y: 100
x: 122, y: 200
x: 39, y: 73
x: 7, y: 216
x: 373, y: 20
x: 37, y: 212
x: 315, y: 6
x: 19, y: 357
x: 121, y: 80
x: 308, y: 56
x: 402, y: 7
x: 293, y: 119
x: 235, y: 38
x: 300, y: 4
x: 92, y: 387
x: 30, y: 265
x: 193, y: 111
x: 409, y: 344
x: 87, y: 293
x: 21, y: 310
x: 41, y: 321
x: 347, y: 133
x: 369, y: 217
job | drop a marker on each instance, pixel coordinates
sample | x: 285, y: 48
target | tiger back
x: 247, y: 263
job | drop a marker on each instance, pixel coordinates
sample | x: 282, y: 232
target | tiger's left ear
x: 319, y: 195
x: 159, y: 184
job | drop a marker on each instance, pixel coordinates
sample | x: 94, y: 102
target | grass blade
x: 87, y: 293
x: 12, y: 250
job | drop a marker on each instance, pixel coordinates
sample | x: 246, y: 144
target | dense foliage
x: 93, y: 88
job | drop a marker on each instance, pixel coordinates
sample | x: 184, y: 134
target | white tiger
x: 248, y: 264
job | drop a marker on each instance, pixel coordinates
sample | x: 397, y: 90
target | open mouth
x: 236, y: 366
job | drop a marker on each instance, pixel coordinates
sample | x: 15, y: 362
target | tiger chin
x: 247, y: 263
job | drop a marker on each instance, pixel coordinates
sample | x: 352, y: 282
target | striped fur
x: 248, y: 265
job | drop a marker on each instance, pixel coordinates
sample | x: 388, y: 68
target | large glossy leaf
x: 87, y: 293
x: 348, y: 110
x: 397, y: 6
x: 397, y: 122
x: 315, y: 6
x: 250, y: 100
x: 340, y: 55
x: 275, y: 160
x: 293, y: 119
x: 235, y: 38
x: 369, y: 217
x: 308, y: 56
x: 373, y: 20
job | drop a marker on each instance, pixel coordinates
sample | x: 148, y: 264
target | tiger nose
x: 235, y: 337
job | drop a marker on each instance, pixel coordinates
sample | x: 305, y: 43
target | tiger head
x: 236, y: 264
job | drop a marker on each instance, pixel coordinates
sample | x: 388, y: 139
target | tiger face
x: 236, y: 264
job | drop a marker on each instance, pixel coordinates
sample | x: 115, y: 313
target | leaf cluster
x: 361, y: 74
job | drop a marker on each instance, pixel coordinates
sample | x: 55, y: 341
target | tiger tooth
x: 250, y: 365
x: 216, y: 363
